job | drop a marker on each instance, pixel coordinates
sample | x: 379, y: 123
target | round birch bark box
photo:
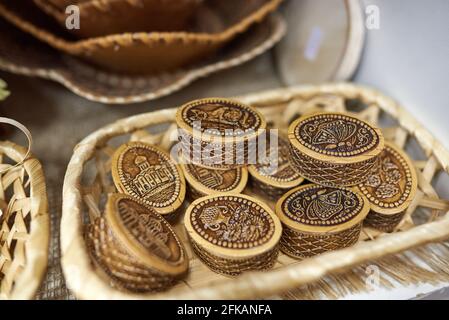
x: 232, y: 234
x: 317, y: 219
x: 334, y: 149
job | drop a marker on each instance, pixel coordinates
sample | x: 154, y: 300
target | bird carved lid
x: 335, y: 137
x: 315, y: 208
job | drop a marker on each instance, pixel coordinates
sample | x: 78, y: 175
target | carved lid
x: 220, y: 119
x: 392, y: 183
x: 146, y: 234
x: 146, y: 172
x: 281, y: 174
x: 315, y: 208
x: 232, y: 226
x: 210, y: 181
x: 335, y: 137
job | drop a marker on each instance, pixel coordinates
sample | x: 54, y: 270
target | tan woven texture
x: 299, y: 244
x: 224, y: 266
x: 25, y: 231
x: 333, y: 274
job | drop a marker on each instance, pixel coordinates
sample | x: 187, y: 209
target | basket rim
x: 85, y: 283
x: 37, y: 245
x: 128, y: 39
x: 275, y: 22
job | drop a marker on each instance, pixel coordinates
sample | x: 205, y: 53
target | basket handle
x: 27, y: 133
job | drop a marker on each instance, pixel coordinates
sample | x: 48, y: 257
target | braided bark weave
x: 384, y: 222
x: 303, y: 245
x: 332, y: 175
x: 235, y: 267
x: 24, y: 224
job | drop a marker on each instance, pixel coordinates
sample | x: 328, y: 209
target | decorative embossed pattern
x: 225, y: 117
x: 303, y: 245
x: 336, y: 135
x: 283, y: 171
x: 125, y: 271
x: 322, y: 206
x: 390, y: 182
x: 221, y: 156
x: 222, y: 181
x: 147, y: 173
x: 333, y: 175
x: 234, y: 267
x: 150, y: 230
x: 232, y: 222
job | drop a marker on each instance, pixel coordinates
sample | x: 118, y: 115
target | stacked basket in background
x: 24, y: 217
x: 138, y: 37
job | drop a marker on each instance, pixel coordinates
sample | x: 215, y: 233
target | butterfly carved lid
x: 336, y: 137
x: 232, y: 226
x: 315, y: 208
x: 211, y: 181
x: 277, y: 169
x: 147, y: 172
x: 146, y: 234
x: 219, y: 119
x: 392, y: 183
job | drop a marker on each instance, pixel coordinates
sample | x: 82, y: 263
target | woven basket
x: 99, y: 85
x: 99, y: 17
x: 333, y: 274
x: 148, y: 52
x: 25, y: 226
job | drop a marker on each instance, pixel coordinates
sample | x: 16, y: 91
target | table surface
x: 406, y: 58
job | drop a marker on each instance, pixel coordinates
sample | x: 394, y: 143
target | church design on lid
x: 152, y: 180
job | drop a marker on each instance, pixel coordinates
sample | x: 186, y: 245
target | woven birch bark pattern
x: 332, y: 175
x: 303, y: 245
x: 24, y: 219
x: 384, y: 222
x: 235, y: 267
x: 113, y: 259
x: 421, y: 232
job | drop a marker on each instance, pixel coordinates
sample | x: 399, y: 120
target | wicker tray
x: 333, y: 274
x: 25, y: 226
